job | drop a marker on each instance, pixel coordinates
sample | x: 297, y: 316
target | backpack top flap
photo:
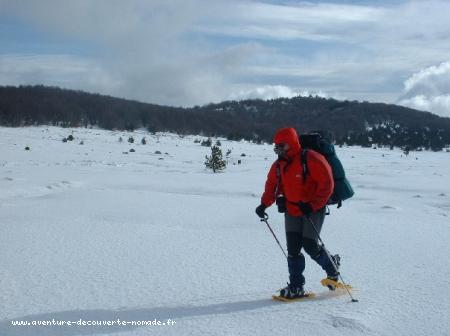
x: 310, y: 141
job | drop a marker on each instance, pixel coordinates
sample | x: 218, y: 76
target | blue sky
x: 192, y: 52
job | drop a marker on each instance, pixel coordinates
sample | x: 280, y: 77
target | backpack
x: 321, y: 142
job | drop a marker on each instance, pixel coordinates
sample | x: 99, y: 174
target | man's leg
x: 296, y: 260
x: 311, y: 243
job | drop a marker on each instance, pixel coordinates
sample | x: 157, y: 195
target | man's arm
x: 268, y: 197
x: 320, y: 171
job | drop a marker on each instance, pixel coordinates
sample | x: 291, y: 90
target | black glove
x: 306, y: 208
x: 260, y: 211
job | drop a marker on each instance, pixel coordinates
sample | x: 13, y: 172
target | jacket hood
x: 288, y: 136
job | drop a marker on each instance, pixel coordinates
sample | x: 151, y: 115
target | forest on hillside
x: 351, y: 122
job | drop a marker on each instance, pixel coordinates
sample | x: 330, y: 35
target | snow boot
x: 337, y: 262
x: 327, y: 265
x: 292, y: 292
x: 334, y: 276
x: 296, y: 265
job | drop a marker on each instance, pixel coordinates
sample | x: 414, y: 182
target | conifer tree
x: 215, y: 161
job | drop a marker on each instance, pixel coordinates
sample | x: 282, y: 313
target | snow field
x: 89, y: 232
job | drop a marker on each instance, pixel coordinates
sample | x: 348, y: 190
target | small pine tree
x: 215, y: 161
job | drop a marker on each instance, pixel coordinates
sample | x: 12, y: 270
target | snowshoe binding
x: 333, y: 285
x: 291, y: 294
x: 332, y: 280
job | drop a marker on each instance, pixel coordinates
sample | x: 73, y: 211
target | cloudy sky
x: 192, y: 52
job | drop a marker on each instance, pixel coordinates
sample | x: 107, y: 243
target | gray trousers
x: 300, y: 234
x: 303, y: 226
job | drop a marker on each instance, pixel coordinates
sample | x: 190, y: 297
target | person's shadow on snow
x: 162, y: 314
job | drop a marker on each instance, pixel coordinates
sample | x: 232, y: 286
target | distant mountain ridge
x: 351, y: 122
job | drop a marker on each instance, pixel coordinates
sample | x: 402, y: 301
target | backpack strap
x: 303, y: 156
x: 278, y: 171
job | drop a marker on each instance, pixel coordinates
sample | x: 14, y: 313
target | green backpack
x: 321, y: 142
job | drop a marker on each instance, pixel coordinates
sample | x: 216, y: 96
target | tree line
x: 351, y: 122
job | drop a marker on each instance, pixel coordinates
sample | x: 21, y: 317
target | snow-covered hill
x: 89, y: 233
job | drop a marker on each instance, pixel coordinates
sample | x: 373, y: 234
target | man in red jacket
x: 302, y: 198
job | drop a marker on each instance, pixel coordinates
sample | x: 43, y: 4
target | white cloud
x: 433, y: 79
x: 264, y: 92
x: 193, y: 52
x: 57, y: 70
x: 273, y: 92
x: 287, y: 22
x: 429, y: 90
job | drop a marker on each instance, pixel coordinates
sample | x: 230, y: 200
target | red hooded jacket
x: 316, y: 189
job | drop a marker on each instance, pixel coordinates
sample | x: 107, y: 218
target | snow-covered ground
x: 88, y: 233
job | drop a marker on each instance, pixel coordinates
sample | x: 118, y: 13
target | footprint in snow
x: 417, y: 196
x: 388, y: 207
x: 347, y: 323
x: 62, y: 184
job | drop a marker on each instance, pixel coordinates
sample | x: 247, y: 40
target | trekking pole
x: 266, y: 217
x: 331, y: 259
